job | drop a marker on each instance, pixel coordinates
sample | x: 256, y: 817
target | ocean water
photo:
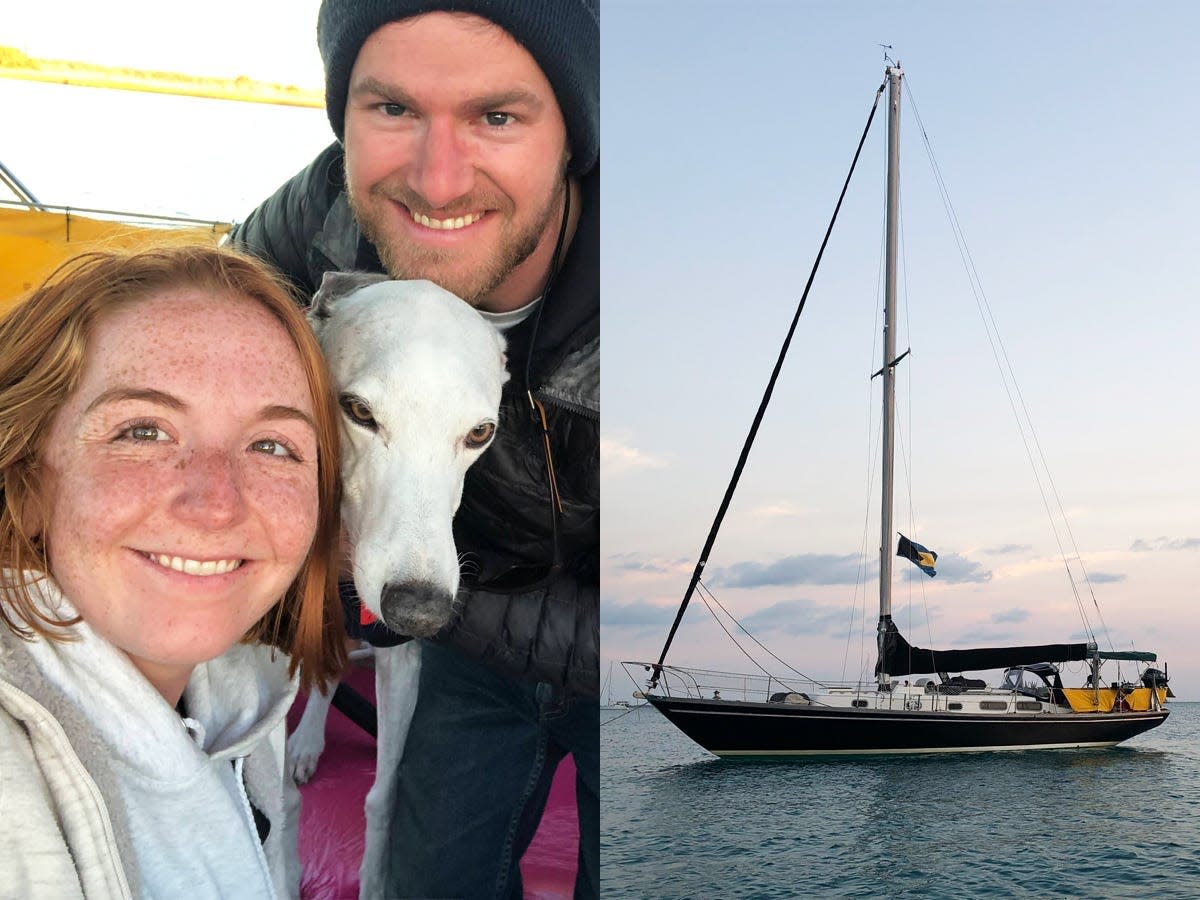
x: 676, y: 822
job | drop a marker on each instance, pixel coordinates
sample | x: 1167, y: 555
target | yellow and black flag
x: 922, y: 556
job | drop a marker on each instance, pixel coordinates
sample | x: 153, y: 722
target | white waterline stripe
x: 892, y: 752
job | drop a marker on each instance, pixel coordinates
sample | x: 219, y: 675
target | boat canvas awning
x: 34, y: 242
x: 901, y: 658
x: 1130, y: 655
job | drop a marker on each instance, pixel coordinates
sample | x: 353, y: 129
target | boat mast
x: 894, y: 74
x: 656, y: 670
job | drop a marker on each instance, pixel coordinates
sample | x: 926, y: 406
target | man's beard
x: 403, y: 259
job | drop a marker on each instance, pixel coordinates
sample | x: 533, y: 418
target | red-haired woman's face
x: 182, y: 479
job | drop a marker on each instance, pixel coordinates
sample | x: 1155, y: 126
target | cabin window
x: 953, y: 706
x: 993, y: 705
x: 858, y: 703
x: 1028, y: 706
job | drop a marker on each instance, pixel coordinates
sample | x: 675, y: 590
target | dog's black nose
x: 416, y: 608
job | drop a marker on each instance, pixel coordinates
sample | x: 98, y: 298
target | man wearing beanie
x: 468, y: 153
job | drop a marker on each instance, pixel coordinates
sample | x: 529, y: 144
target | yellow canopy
x: 33, y: 243
x: 1103, y: 700
x: 15, y: 64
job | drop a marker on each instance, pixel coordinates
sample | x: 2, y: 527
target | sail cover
x: 901, y: 658
x: 1134, y: 655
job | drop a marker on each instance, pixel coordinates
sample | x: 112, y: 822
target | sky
x: 1066, y: 136
x: 149, y: 153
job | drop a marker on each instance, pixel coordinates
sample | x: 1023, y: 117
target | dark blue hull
x: 740, y: 728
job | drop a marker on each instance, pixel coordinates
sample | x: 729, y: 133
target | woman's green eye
x: 144, y: 433
x: 272, y: 448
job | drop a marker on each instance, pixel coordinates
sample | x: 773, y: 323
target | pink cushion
x: 332, y: 823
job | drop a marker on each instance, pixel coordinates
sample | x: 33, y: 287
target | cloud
x: 776, y: 511
x: 618, y: 458
x: 1008, y: 548
x: 1104, y: 577
x: 1010, y: 616
x: 1163, y: 543
x: 804, y: 568
x: 983, y: 638
x: 638, y: 562
x: 795, y: 617
x: 636, y: 615
x: 906, y: 614
x: 828, y: 568
x: 958, y: 569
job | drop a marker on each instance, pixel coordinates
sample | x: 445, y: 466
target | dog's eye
x: 358, y: 411
x: 480, y: 435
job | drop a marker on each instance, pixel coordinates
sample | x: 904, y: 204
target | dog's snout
x: 417, y: 609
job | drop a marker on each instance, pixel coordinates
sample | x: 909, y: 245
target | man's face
x: 455, y: 157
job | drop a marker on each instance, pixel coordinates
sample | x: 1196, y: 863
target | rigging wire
x: 872, y: 460
x: 906, y: 452
x: 861, y: 572
x: 706, y: 595
x: 1008, y: 377
x: 623, y: 714
x: 905, y: 456
x: 762, y: 408
x: 872, y: 480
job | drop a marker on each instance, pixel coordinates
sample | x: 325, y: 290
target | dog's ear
x: 335, y: 285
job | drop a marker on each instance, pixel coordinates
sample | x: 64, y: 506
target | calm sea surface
x: 677, y: 822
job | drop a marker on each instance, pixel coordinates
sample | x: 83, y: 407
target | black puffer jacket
x: 520, y: 616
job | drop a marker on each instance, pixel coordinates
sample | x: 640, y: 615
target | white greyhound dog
x: 418, y: 373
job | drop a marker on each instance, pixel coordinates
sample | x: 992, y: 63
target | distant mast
x: 894, y: 74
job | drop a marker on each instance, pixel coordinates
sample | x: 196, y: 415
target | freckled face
x: 182, y: 478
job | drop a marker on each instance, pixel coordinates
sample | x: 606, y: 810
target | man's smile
x: 451, y: 224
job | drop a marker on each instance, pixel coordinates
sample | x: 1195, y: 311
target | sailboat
x: 608, y: 703
x: 764, y: 715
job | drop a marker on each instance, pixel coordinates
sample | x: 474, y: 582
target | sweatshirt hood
x: 232, y: 701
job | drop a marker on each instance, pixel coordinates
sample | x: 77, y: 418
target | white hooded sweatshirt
x: 105, y: 791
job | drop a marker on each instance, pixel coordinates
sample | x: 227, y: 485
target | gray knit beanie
x: 563, y: 37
